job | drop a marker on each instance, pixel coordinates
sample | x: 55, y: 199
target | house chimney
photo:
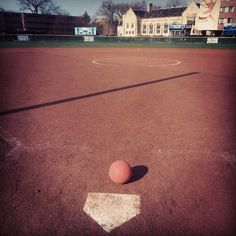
x: 149, y: 7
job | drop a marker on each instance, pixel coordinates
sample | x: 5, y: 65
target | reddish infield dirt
x: 73, y: 111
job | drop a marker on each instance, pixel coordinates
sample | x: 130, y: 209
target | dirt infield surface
x: 66, y: 114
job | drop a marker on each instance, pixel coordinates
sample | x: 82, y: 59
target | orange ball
x: 120, y: 172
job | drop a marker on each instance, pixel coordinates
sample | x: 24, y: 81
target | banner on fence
x: 23, y: 38
x: 212, y: 40
x: 88, y: 38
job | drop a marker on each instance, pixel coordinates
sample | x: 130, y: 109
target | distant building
x: 209, y: 17
x: 214, y: 15
x: 227, y: 15
x: 159, y: 22
x: 11, y: 23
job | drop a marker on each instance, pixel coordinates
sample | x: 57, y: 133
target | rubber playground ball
x: 120, y: 172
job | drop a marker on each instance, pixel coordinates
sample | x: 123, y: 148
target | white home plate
x: 111, y: 210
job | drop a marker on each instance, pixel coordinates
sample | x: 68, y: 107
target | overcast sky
x: 74, y: 7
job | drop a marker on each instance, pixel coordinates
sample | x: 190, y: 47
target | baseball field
x: 67, y: 113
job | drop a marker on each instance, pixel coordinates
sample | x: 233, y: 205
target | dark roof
x: 139, y: 13
x: 165, y: 12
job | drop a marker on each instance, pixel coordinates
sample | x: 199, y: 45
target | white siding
x: 130, y: 24
x: 154, y: 26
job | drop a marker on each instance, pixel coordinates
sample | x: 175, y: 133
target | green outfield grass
x: 50, y: 44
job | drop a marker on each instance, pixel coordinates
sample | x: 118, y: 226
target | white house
x: 160, y: 22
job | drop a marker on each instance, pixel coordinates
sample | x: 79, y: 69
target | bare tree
x: 175, y: 3
x: 32, y: 5
x: 121, y: 8
x: 107, y: 10
x: 41, y: 6
x: 139, y: 5
x: 86, y: 19
x: 113, y: 12
x: 53, y: 9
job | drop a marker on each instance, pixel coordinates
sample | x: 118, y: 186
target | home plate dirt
x: 173, y: 119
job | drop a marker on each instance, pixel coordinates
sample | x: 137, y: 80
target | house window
x: 158, y: 29
x: 225, y: 20
x: 151, y: 29
x: 132, y: 25
x: 144, y: 29
x: 226, y: 9
x: 221, y: 21
x: 166, y: 27
x: 127, y: 25
x: 231, y: 9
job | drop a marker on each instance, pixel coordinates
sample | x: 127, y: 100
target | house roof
x: 164, y: 12
x: 167, y: 12
x: 139, y: 13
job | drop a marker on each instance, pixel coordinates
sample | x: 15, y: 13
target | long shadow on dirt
x: 132, y: 86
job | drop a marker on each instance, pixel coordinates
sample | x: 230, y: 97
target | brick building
x: 227, y: 14
x: 11, y: 22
